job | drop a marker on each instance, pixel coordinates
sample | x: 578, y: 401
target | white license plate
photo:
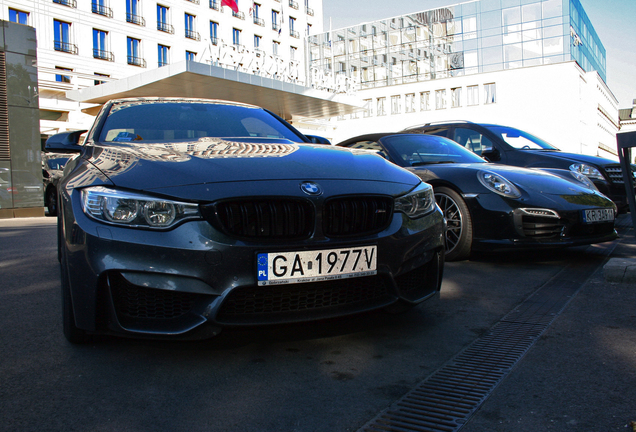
x: 598, y: 215
x: 318, y: 265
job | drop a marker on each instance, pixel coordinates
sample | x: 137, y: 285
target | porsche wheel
x: 459, y: 231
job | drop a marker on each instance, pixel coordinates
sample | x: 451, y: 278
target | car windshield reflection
x: 414, y: 150
x: 521, y: 140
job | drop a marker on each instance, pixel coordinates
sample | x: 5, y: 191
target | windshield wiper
x: 430, y: 163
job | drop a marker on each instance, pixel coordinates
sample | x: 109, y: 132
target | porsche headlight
x: 587, y: 170
x: 584, y: 179
x: 416, y: 203
x: 135, y: 210
x: 498, y: 184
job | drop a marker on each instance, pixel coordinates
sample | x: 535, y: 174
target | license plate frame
x: 276, y: 268
x: 598, y: 215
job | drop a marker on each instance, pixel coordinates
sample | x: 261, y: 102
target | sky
x: 613, y: 20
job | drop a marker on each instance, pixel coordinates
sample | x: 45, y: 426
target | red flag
x: 233, y: 4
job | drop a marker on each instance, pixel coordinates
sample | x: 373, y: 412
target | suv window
x: 472, y: 140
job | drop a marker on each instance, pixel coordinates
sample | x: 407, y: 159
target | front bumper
x: 192, y: 281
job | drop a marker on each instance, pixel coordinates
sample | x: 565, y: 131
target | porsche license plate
x: 313, y: 266
x: 598, y: 215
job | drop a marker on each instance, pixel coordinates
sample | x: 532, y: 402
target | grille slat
x: 357, y: 215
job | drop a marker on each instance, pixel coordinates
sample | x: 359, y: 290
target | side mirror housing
x: 65, y: 142
x: 318, y: 139
x: 490, y: 153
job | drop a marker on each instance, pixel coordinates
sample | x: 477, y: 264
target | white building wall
x: 308, y: 16
x: 559, y: 103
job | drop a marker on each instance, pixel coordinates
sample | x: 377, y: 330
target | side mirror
x: 318, y: 139
x: 65, y: 142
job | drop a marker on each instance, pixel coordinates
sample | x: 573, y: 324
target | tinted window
x: 164, y: 121
x: 471, y: 140
x: 426, y: 149
x: 520, y: 139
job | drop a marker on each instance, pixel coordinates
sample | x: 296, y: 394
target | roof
x: 200, y: 80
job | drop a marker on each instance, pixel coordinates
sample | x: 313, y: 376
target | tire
x: 459, y: 230
x: 51, y: 200
x: 73, y: 334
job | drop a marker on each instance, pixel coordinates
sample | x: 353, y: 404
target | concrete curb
x: 620, y: 270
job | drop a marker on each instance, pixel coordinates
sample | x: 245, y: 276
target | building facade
x: 85, y: 43
x: 534, y: 64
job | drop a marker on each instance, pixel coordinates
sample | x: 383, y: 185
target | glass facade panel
x: 469, y: 38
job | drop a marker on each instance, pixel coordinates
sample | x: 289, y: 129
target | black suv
x: 510, y: 146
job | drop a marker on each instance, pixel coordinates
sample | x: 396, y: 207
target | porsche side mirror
x: 318, y: 139
x: 490, y: 153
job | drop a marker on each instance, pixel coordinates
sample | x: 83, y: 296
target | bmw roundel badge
x: 311, y: 188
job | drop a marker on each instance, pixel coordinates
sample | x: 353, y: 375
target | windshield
x: 520, y: 139
x: 414, y: 149
x: 174, y: 120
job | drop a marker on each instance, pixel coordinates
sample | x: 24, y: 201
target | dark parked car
x: 495, y: 207
x: 182, y: 216
x: 510, y: 146
x: 52, y: 168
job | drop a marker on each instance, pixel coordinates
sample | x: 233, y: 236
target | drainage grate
x: 445, y: 401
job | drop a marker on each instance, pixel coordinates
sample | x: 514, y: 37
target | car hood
x: 575, y: 157
x: 533, y: 181
x: 210, y: 160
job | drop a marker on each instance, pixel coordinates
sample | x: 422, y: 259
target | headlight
x: 416, y: 203
x: 498, y: 184
x: 135, y: 210
x: 587, y: 170
x: 584, y: 179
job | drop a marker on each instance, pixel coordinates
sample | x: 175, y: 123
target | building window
x: 98, y: 81
x: 190, y: 31
x: 191, y: 56
x: 472, y: 95
x: 162, y: 19
x: 100, y: 51
x: 368, y: 105
x: 99, y: 7
x: 380, y: 106
x: 132, y: 13
x: 19, y: 17
x: 456, y: 97
x: 409, y: 103
x: 214, y: 4
x: 275, y: 21
x: 490, y: 92
x: 308, y: 29
x: 162, y: 54
x: 292, y: 53
x: 440, y: 99
x: 236, y: 37
x: 62, y: 35
x: 425, y: 101
x: 275, y: 47
x: 214, y: 32
x: 255, y: 12
x: 257, y: 41
x: 134, y: 52
x: 396, y: 107
x: 63, y: 78
x: 292, y: 26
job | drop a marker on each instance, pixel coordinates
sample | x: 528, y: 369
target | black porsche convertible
x: 495, y: 207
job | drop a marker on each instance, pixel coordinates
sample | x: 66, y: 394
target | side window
x: 472, y: 140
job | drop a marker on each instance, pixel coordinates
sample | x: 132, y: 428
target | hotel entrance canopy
x: 200, y: 80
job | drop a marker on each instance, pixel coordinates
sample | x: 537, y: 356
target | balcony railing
x: 214, y: 5
x: 65, y: 47
x: 69, y: 3
x: 239, y: 15
x: 275, y: 26
x: 259, y: 21
x: 194, y: 1
x: 294, y: 34
x: 103, y: 55
x: 135, y: 19
x: 293, y: 4
x: 215, y: 41
x: 191, y: 34
x: 136, y: 61
x: 165, y: 27
x: 96, y: 8
x: 309, y: 11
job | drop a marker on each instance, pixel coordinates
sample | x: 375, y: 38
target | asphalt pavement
x: 581, y: 374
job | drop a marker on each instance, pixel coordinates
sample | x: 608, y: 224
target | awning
x: 193, y: 79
